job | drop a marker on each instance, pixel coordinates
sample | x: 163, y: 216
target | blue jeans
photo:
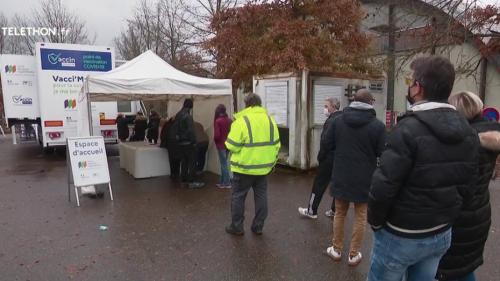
x: 468, y: 277
x: 395, y: 257
x: 224, y: 169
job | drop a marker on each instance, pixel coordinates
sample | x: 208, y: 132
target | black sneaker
x: 230, y: 229
x: 257, y: 231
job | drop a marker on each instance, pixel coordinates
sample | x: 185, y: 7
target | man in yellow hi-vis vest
x: 254, y: 144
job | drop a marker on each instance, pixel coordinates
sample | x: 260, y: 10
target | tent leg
x: 89, y: 108
x: 13, y: 131
x: 110, y: 191
x: 77, y: 198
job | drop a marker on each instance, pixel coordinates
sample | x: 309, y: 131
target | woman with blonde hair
x: 470, y: 230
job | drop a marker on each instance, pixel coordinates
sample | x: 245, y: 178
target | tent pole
x: 89, y: 109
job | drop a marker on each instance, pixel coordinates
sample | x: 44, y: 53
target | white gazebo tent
x: 149, y: 78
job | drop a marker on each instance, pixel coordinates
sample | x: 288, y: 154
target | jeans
x: 224, y: 169
x: 341, y: 208
x: 321, y: 181
x: 468, y: 277
x: 241, y: 185
x: 394, y: 257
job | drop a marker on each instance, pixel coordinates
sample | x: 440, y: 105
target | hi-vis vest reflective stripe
x: 254, y: 144
x: 252, y: 155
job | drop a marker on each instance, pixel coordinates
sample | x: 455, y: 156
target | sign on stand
x: 87, y: 164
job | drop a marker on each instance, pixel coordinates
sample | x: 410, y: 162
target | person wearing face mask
x: 426, y: 173
x: 325, y: 163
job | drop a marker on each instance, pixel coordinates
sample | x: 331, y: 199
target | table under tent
x: 149, y: 78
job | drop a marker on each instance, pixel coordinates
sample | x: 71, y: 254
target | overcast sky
x: 105, y: 18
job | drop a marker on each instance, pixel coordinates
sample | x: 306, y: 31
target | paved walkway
x: 160, y: 231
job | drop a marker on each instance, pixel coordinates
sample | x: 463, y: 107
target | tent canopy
x: 148, y: 77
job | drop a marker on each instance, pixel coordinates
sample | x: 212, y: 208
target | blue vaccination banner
x: 75, y: 60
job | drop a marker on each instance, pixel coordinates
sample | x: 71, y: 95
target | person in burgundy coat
x: 222, y: 124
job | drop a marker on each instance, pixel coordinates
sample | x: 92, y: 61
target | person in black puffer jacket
x: 359, y: 139
x: 325, y: 163
x: 471, y: 229
x: 183, y: 129
x: 426, y: 171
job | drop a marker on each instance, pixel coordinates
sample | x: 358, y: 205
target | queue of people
x: 422, y: 187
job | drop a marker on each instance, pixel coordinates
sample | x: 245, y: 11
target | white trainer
x: 305, y: 213
x: 333, y: 253
x: 330, y: 213
x: 355, y: 260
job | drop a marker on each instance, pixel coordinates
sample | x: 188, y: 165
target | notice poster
x: 320, y: 93
x: 276, y: 101
x: 89, y: 164
x: 19, y: 86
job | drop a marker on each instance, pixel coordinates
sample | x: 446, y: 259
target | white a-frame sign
x: 87, y: 164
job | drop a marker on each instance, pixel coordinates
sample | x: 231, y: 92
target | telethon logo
x: 10, y: 68
x: 70, y: 104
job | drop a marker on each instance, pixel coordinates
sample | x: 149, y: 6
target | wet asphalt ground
x: 158, y: 230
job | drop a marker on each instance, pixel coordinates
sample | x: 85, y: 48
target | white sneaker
x: 330, y: 213
x: 333, y: 253
x: 355, y: 260
x: 305, y: 213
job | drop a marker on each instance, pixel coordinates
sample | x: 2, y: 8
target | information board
x: 19, y: 86
x: 89, y: 164
x: 320, y: 93
x: 276, y: 101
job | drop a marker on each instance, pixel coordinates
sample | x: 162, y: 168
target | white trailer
x: 20, y: 96
x: 61, y: 70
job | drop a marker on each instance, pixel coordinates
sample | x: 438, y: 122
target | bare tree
x: 162, y: 27
x: 3, y: 39
x: 439, y: 26
x: 50, y: 14
x: 21, y: 44
x: 202, y: 12
x: 128, y: 43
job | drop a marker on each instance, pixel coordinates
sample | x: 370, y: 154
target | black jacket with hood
x: 470, y: 230
x: 425, y: 172
x: 358, y: 140
x: 326, y: 142
x: 183, y: 128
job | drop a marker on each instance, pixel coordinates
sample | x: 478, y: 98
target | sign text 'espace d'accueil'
x: 89, y: 163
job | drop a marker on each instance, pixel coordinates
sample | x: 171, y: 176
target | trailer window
x: 124, y: 106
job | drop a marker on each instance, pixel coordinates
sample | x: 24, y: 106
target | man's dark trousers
x: 241, y: 185
x: 321, y: 182
x: 187, y: 156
